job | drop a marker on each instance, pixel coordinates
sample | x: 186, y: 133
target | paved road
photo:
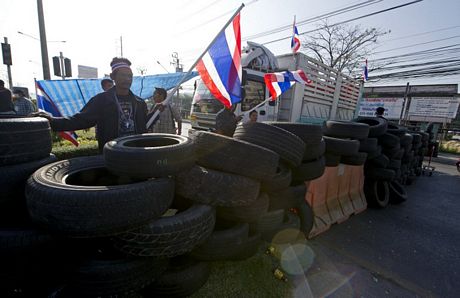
x: 407, y: 250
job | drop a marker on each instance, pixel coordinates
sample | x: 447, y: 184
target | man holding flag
x: 116, y: 112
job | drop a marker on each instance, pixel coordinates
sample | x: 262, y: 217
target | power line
x: 419, y: 34
x: 418, y: 44
x: 347, y: 21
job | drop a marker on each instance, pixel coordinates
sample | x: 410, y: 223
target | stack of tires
x: 117, y: 222
x: 25, y: 146
x: 343, y: 139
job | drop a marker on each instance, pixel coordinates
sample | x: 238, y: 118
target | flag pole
x: 150, y: 121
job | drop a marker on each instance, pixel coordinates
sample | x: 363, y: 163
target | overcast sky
x: 153, y: 30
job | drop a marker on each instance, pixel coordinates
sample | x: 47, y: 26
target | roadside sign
x: 442, y: 107
x: 392, y: 105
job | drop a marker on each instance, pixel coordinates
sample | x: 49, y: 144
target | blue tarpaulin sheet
x: 69, y: 96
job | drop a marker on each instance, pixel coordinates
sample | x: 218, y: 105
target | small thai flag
x: 295, y: 40
x: 279, y: 82
x: 365, y: 72
x: 46, y: 105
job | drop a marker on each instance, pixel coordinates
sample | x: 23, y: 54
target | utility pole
x: 121, y: 45
x: 44, y: 47
x: 179, y: 68
x: 61, y: 59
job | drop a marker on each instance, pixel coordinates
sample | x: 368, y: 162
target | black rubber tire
x: 281, y: 180
x: 341, y: 146
x: 346, y: 129
x: 392, y: 152
x: 398, y: 194
x: 406, y: 139
x: 79, y: 197
x: 368, y: 145
x: 379, y: 174
x: 20, y: 240
x: 13, y: 177
x: 289, y: 146
x: 114, y: 277
x: 332, y: 160
x: 380, y: 161
x: 377, y: 126
x: 394, y: 164
x: 400, y: 154
x: 310, y: 134
x: 24, y: 139
x: 377, y: 193
x: 309, y: 170
x: 222, y: 244
x: 183, y: 277
x: 249, y: 213
x: 169, y: 236
x: 216, y: 188
x: 287, y: 232
x: 230, y: 155
x: 389, y: 140
x: 396, y: 130
x: 268, y: 222
x: 306, y: 217
x: 287, y: 198
x: 417, y: 138
x: 374, y: 154
x: 354, y: 160
x: 248, y: 248
x: 149, y: 155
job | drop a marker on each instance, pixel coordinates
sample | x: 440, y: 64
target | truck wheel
x: 80, y: 198
x: 289, y: 146
x: 24, y: 139
x: 234, y: 156
x: 149, y: 155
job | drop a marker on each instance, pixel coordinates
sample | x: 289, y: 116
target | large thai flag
x: 220, y: 67
x: 295, y: 40
x: 279, y: 82
x: 45, y: 104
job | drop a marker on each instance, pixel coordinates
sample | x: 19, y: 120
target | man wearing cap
x: 116, y: 112
x: 22, y: 105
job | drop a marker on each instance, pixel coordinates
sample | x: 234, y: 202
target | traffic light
x: 56, y: 66
x: 6, y: 52
x: 68, y: 67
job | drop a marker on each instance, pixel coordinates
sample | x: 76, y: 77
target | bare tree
x: 342, y: 47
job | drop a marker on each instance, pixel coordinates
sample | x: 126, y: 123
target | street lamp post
x: 44, y: 47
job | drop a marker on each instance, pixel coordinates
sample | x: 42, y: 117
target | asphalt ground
x: 406, y: 250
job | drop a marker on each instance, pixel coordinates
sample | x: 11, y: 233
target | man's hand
x: 42, y: 114
x: 238, y: 118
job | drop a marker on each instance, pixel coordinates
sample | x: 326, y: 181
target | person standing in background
x: 226, y: 121
x: 169, y: 115
x: 6, y: 104
x: 22, y: 105
x: 253, y: 116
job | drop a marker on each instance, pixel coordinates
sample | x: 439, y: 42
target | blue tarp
x: 69, y: 96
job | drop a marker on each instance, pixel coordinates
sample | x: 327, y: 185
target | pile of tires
x: 25, y: 146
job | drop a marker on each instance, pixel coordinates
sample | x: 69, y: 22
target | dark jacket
x: 102, y: 110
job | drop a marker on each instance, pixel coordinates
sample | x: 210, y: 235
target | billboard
x: 393, y: 107
x: 441, y: 107
x: 87, y: 72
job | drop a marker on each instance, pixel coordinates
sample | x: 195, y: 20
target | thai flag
x: 279, y: 82
x: 45, y: 104
x: 365, y: 72
x: 220, y: 67
x: 295, y: 40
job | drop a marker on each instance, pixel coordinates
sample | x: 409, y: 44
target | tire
x: 310, y: 134
x: 306, y: 217
x: 368, y: 145
x: 216, y: 188
x: 287, y: 232
x: 332, y: 160
x: 389, y: 140
x: 114, y: 277
x: 169, y: 236
x: 398, y: 194
x: 14, y: 177
x: 222, y: 244
x: 309, y: 170
x: 406, y: 139
x: 230, y: 155
x: 78, y: 197
x: 281, y: 180
x: 346, y: 129
x: 268, y: 222
x: 392, y: 153
x: 289, y: 146
x: 247, y: 248
x: 379, y: 174
x: 183, y: 277
x: 377, y: 193
x: 374, y: 154
x: 249, y: 213
x: 394, y: 164
x: 24, y: 139
x: 20, y: 240
x: 341, y: 146
x: 396, y: 130
x: 377, y: 126
x: 149, y: 155
x: 354, y: 160
x: 379, y: 162
x: 287, y: 198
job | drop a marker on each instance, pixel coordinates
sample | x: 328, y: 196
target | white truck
x: 330, y: 95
